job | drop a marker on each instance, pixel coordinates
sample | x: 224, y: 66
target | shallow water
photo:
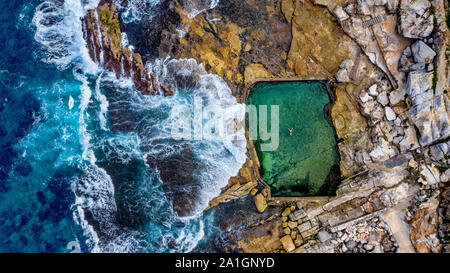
x: 306, y: 161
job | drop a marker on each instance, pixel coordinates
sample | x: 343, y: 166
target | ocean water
x: 74, y: 142
x: 306, y: 162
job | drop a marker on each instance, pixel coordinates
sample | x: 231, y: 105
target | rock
x: 342, y: 76
x: 429, y: 175
x: 346, y: 64
x: 260, y: 202
x: 416, y: 20
x: 292, y: 224
x: 373, y: 90
x: 422, y: 53
x: 287, y: 231
x: 428, y: 110
x: 297, y: 215
x: 365, y: 97
x: 323, y: 236
x: 287, y: 243
x: 383, y: 98
x: 390, y: 114
x: 392, y: 5
x: 304, y: 227
x: 286, y: 212
x: 445, y: 177
x: 369, y: 247
x: 340, y: 13
x: 439, y: 151
x: 424, y: 227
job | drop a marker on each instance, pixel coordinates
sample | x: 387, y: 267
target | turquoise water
x: 74, y: 144
x: 306, y: 161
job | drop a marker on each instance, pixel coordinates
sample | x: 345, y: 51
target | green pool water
x: 306, y: 162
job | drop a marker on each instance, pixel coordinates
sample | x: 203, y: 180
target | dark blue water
x: 68, y: 179
x: 38, y: 137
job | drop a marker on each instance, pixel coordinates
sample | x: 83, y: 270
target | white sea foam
x: 70, y: 103
x: 59, y: 31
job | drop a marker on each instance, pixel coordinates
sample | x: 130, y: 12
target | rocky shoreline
x: 388, y: 64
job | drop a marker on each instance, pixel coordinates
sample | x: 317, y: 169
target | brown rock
x: 260, y: 202
x: 287, y: 243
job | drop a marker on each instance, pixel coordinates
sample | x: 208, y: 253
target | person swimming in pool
x: 290, y: 131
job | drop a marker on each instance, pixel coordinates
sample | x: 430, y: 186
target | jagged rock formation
x: 104, y: 40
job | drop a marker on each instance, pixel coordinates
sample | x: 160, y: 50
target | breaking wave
x: 120, y: 201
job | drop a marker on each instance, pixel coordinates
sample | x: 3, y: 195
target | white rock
x: 390, y: 114
x: 340, y: 13
x: 429, y: 175
x: 373, y: 90
x: 445, y: 177
x: 323, y: 236
x: 346, y: 64
x: 383, y: 98
x: 422, y: 53
x: 365, y: 97
x: 342, y: 76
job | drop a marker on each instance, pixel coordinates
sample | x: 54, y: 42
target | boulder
x: 297, y: 215
x: 287, y: 243
x: 342, y: 76
x: 416, y: 20
x: 323, y: 236
x: 373, y: 90
x: 340, y: 13
x: 422, y: 53
x: 390, y: 114
x: 260, y: 202
x: 383, y: 98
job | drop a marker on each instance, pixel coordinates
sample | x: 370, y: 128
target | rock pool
x: 306, y: 162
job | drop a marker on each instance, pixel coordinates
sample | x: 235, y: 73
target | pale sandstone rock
x: 287, y: 243
x: 260, y: 202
